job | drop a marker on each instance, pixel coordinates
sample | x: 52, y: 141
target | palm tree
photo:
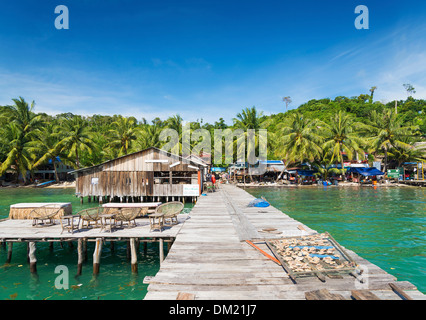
x: 123, y: 134
x: 407, y: 154
x: 22, y: 123
x: 300, y: 139
x: 19, y: 157
x: 340, y: 138
x: 249, y: 119
x: 23, y: 116
x: 149, y: 136
x: 46, y: 145
x: 175, y: 123
x: 76, y: 138
x: 387, y: 131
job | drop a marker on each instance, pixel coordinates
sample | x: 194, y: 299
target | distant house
x: 147, y: 174
x: 47, y: 171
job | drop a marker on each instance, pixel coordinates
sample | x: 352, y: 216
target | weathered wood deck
x: 22, y: 230
x: 210, y: 259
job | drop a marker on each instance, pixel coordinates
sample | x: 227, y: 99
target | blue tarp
x: 366, y: 171
x: 258, y: 203
x: 306, y: 173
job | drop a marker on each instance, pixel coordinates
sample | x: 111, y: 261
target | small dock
x: 211, y: 259
x: 14, y: 230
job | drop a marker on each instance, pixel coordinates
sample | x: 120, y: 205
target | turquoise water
x: 115, y: 281
x: 386, y: 226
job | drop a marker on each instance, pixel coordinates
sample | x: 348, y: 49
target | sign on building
x: 191, y: 190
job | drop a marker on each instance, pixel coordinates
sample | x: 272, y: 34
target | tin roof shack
x: 148, y: 173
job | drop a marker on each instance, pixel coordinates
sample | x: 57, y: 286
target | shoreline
x: 344, y: 185
x: 61, y: 185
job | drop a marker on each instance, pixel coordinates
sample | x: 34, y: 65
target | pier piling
x: 32, y: 257
x: 134, y: 257
x: 97, y: 256
x: 9, y: 252
x: 80, y: 256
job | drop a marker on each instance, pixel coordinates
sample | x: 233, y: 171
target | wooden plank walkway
x: 210, y: 259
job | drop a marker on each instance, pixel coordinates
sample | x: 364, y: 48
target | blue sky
x: 206, y: 59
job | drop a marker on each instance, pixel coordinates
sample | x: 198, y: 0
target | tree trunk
x: 386, y: 161
x: 56, y: 170
x: 77, y: 161
x: 343, y: 165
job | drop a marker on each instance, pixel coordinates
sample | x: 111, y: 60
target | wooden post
x: 112, y: 246
x: 145, y: 248
x: 32, y: 256
x: 9, y: 252
x: 128, y: 249
x: 134, y: 260
x: 80, y: 256
x: 81, y: 200
x: 97, y: 256
x: 84, y: 249
x: 161, y: 250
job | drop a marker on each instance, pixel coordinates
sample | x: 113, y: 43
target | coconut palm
x: 76, y: 138
x: 340, y: 138
x: 300, y: 139
x: 407, y: 154
x: 23, y: 116
x: 22, y: 123
x: 19, y: 157
x: 123, y: 134
x: 387, y: 131
x: 45, y: 144
x: 149, y: 136
x: 248, y: 119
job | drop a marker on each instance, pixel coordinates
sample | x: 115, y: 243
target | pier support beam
x: 134, y: 259
x: 80, y: 256
x: 9, y: 252
x: 97, y: 256
x: 161, y: 244
x: 32, y: 256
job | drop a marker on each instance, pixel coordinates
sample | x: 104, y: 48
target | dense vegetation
x: 321, y: 132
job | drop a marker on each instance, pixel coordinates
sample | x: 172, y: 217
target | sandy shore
x: 56, y: 185
x: 62, y: 185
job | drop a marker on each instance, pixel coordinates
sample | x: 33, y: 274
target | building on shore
x: 150, y: 174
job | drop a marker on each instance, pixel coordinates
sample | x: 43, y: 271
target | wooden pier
x: 211, y: 259
x: 13, y: 231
